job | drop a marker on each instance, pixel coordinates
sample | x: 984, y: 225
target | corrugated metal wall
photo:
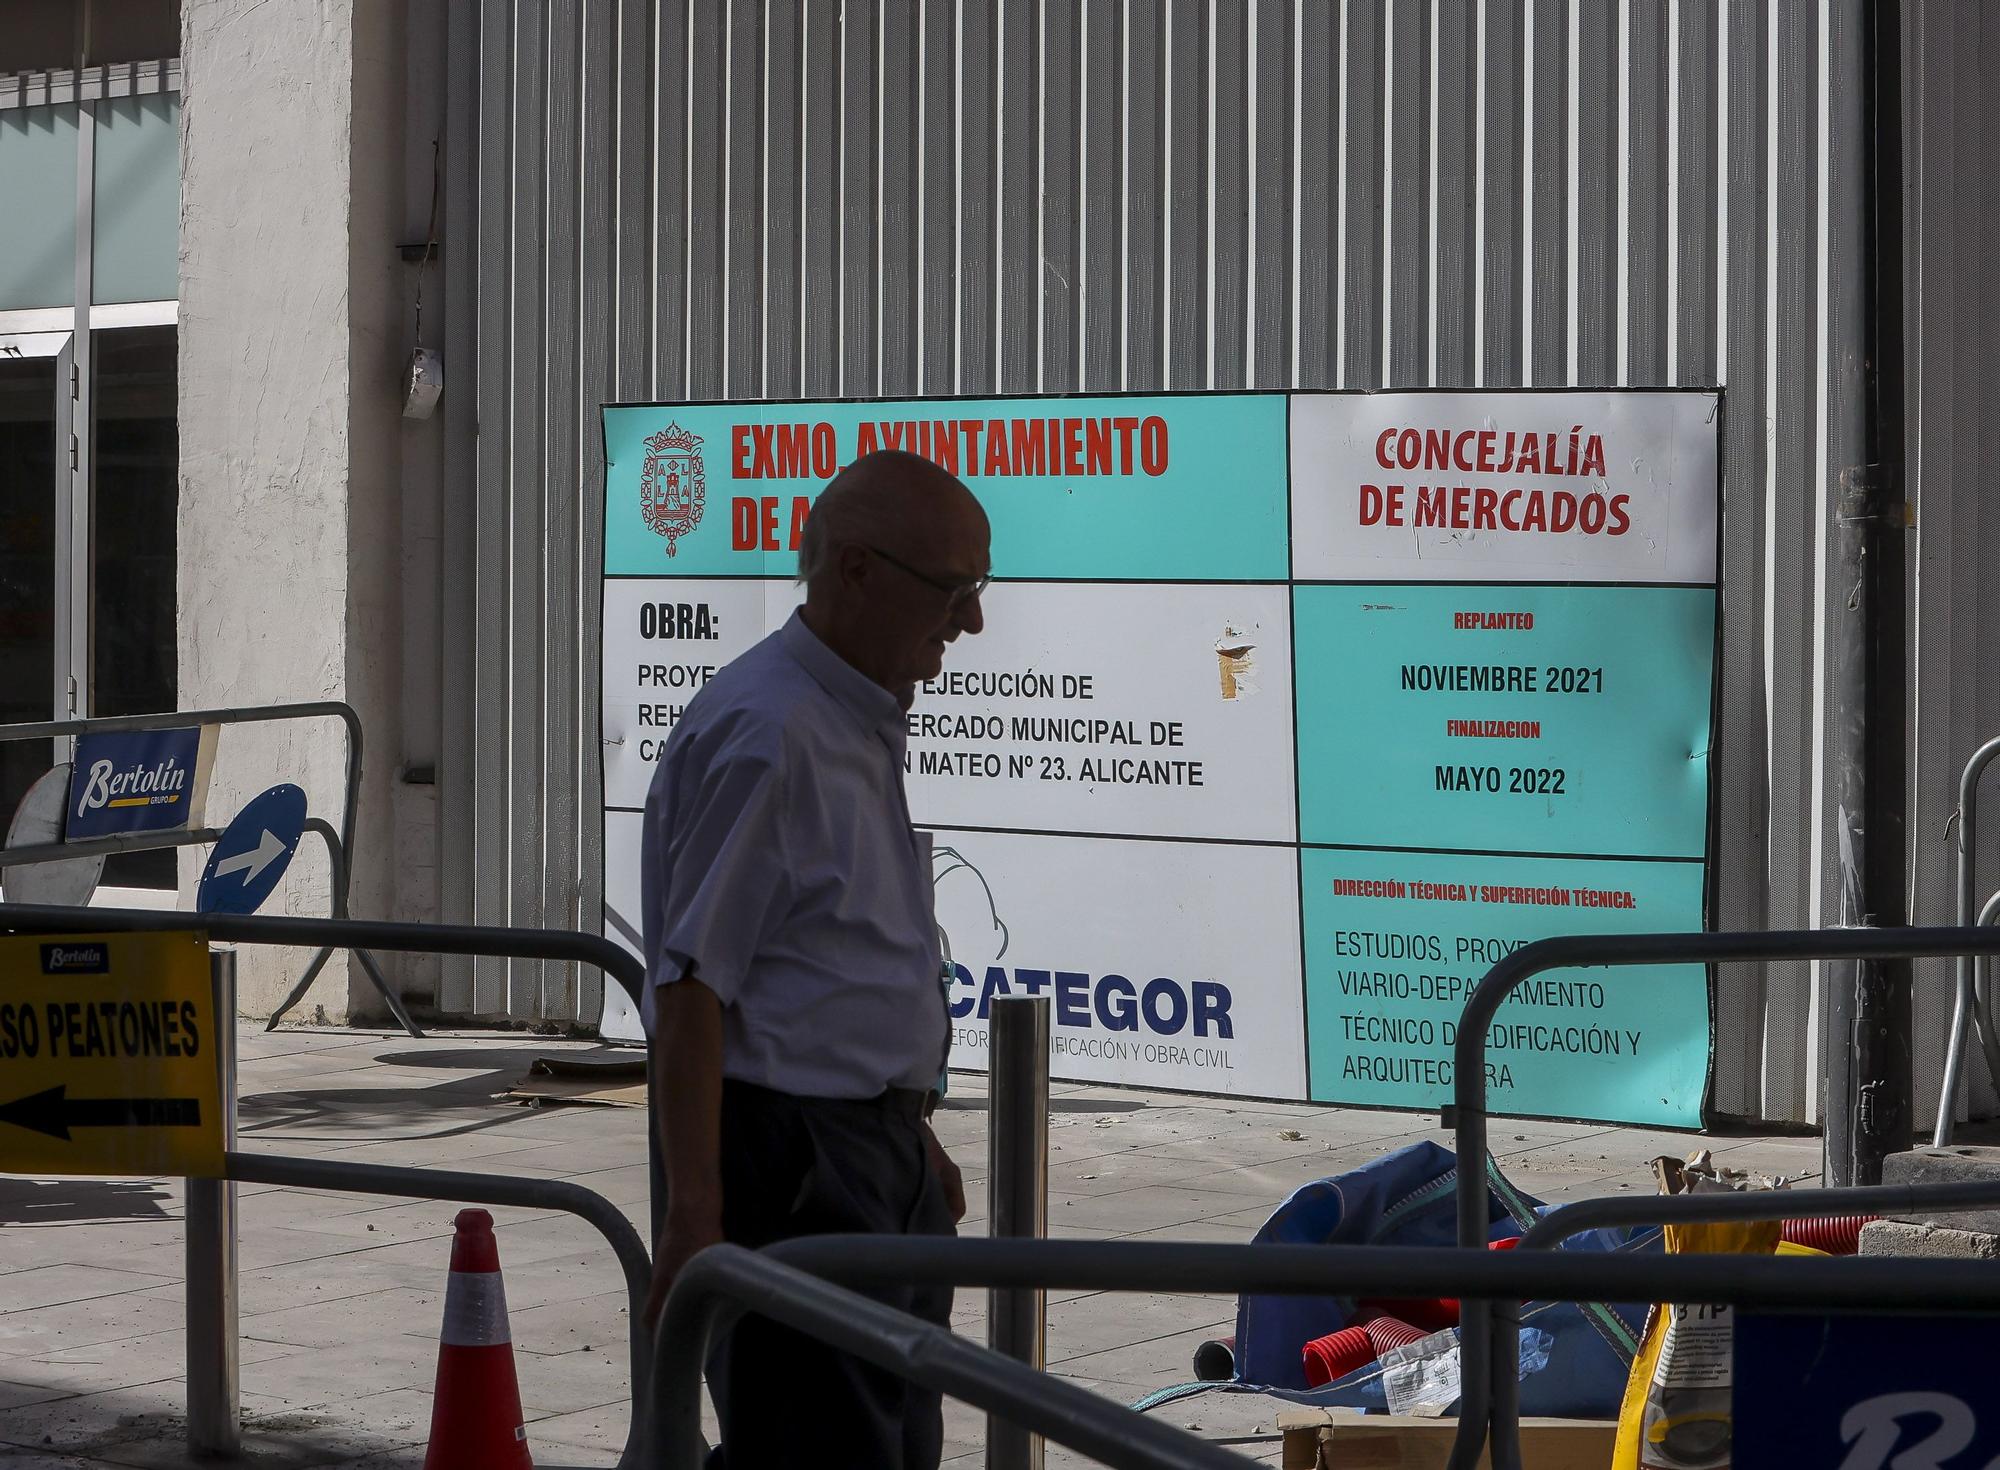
x: 748, y: 198
x: 1954, y: 437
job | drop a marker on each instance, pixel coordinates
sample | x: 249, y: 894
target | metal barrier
x: 213, y: 1421
x: 1017, y: 1175
x: 1488, y: 1335
x: 213, y: 1345
x: 336, y: 861
x: 730, y: 1276
x: 1489, y: 1285
x: 1560, y: 1223
x: 1971, y: 1004
x: 1565, y: 1221
x: 781, y: 1283
x: 474, y: 939
x: 478, y: 1189
x: 339, y: 844
x: 774, y: 1282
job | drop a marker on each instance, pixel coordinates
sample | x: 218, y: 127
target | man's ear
x: 852, y: 562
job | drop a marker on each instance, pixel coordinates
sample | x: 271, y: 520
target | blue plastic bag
x: 1574, y: 1357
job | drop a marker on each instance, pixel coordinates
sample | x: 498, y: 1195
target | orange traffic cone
x: 476, y: 1412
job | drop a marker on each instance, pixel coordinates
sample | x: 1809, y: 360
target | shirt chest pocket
x: 873, y: 870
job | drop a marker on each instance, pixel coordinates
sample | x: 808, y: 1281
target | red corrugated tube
x: 1431, y: 1315
x: 1386, y: 1333
x: 1837, y: 1235
x: 1337, y: 1355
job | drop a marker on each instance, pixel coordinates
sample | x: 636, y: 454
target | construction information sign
x: 108, y: 1057
x: 1292, y: 715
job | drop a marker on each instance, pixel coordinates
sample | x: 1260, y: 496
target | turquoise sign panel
x: 1505, y: 718
x: 1101, y: 489
x: 1396, y: 941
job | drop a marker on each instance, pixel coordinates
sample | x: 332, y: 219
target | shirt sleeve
x: 725, y: 844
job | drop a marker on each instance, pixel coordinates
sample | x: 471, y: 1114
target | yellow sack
x: 1676, y: 1412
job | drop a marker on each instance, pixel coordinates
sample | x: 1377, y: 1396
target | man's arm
x: 685, y: 1089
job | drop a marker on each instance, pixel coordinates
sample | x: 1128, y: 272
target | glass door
x: 134, y: 474
x: 34, y: 509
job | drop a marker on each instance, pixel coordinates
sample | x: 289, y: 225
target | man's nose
x: 969, y: 616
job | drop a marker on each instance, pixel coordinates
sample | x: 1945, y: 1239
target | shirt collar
x: 874, y: 708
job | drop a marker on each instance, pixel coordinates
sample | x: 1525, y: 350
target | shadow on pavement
x: 511, y: 1060
x: 1056, y: 1104
x: 372, y: 1110
x: 31, y: 1202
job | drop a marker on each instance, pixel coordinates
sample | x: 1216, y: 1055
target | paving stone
x: 1140, y: 1209
x: 20, y: 1395
x: 351, y: 1319
x: 86, y: 1323
x: 54, y: 1286
x: 1101, y: 1322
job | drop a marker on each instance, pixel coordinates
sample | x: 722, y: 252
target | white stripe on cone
x: 475, y: 1310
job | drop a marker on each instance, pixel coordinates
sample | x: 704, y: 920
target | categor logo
x: 1162, y: 1006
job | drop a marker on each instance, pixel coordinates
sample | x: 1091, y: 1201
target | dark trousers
x: 796, y: 1166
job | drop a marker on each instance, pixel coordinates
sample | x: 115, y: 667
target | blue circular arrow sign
x: 249, y: 859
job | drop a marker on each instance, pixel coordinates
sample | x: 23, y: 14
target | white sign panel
x: 1166, y: 964
x: 1117, y: 709
x: 662, y: 642
x: 1522, y: 487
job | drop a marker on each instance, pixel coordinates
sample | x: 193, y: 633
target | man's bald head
x: 892, y: 556
x: 884, y: 499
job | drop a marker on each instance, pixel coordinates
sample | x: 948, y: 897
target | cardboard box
x: 1347, y: 1439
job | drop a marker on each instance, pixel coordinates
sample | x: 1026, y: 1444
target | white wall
x: 289, y: 336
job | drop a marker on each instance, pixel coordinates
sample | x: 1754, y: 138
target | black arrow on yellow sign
x: 54, y: 1112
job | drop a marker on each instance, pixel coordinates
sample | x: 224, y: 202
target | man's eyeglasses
x: 957, y: 594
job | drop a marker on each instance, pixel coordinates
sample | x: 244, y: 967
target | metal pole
x: 1867, y: 1102
x: 213, y: 1390
x: 1018, y: 1175
x: 1962, y: 1014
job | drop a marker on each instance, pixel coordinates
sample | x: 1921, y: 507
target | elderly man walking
x: 797, y: 1023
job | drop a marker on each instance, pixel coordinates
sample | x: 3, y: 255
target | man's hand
x: 685, y: 1074
x: 681, y: 1240
x: 948, y: 1175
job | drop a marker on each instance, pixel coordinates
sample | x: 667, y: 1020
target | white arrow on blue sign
x: 251, y: 856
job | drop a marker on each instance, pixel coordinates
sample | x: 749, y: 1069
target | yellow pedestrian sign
x: 108, y: 1056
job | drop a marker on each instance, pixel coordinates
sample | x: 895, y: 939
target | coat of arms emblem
x: 672, y: 489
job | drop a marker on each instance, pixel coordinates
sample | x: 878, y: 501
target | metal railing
x: 1972, y: 1002
x: 1488, y: 1333
x: 484, y: 1189
x: 340, y: 844
x: 1619, y: 1211
x: 213, y: 1385
x: 727, y: 1276
x: 770, y: 1282
x: 807, y: 1283
x: 1489, y: 1285
x: 473, y: 939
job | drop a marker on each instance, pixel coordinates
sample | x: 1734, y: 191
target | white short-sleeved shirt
x: 779, y: 866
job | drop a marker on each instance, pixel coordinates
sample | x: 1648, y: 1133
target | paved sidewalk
x: 342, y: 1294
